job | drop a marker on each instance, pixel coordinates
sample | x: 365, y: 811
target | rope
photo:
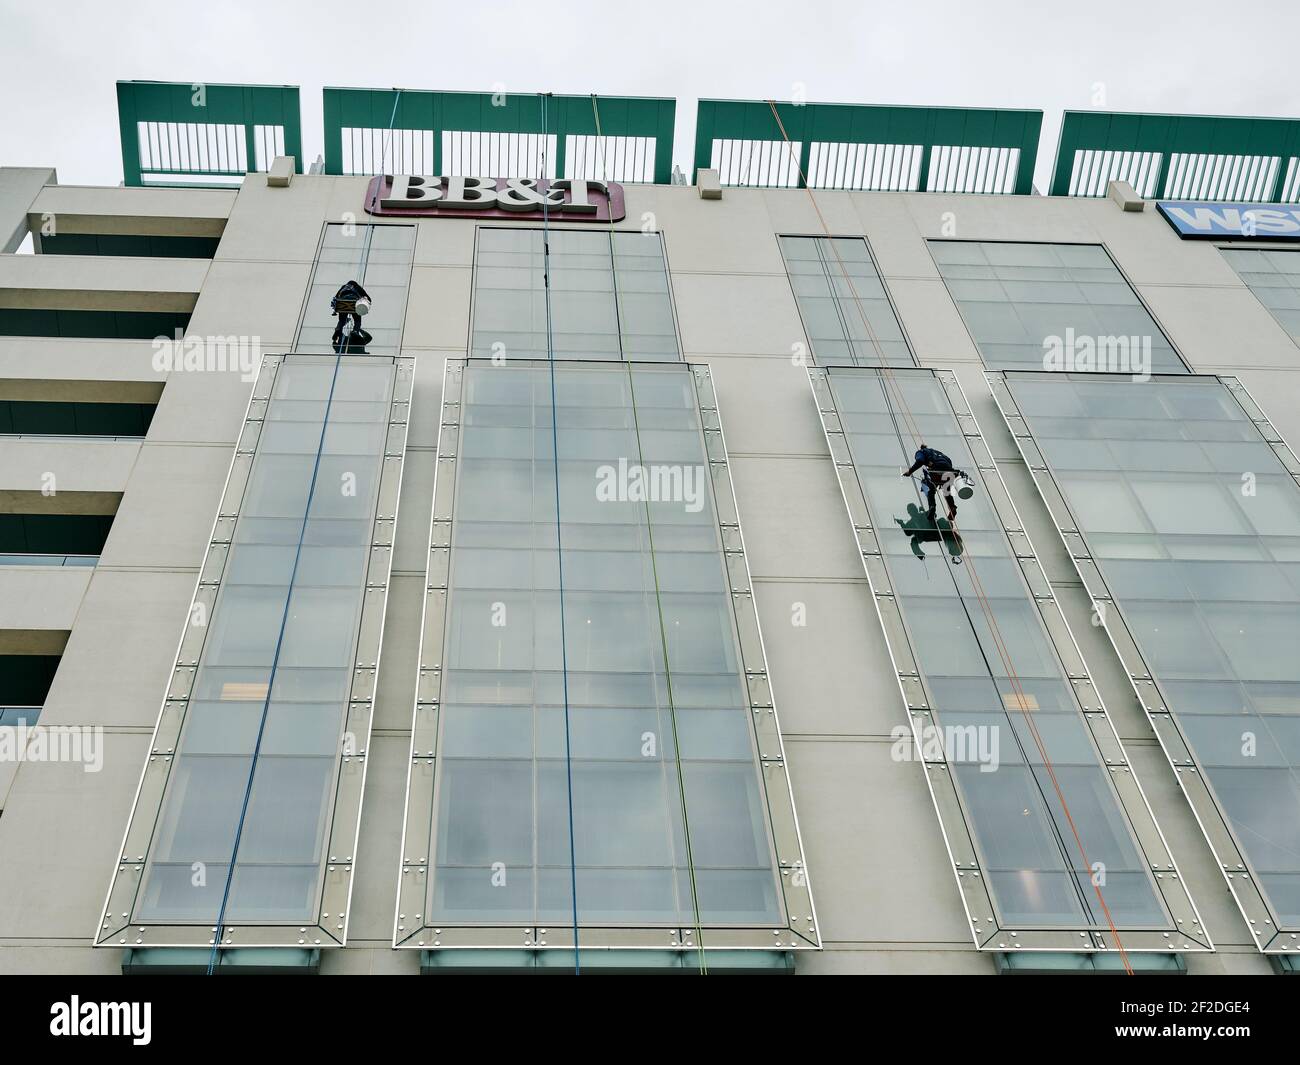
x: 654, y: 569
x: 559, y: 544
x: 1023, y: 703
x: 887, y: 376
x: 341, y: 347
x: 219, y: 932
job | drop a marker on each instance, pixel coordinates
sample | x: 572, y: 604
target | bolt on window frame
x: 989, y: 934
x: 342, y: 811
x: 413, y: 927
x: 1213, y: 820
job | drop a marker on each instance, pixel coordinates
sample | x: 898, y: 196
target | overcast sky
x: 60, y: 58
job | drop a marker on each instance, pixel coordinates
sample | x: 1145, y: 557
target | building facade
x: 586, y: 601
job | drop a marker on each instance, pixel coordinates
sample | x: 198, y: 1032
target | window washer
x: 350, y: 303
x: 940, y: 479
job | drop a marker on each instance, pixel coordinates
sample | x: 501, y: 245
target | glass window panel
x: 1038, y: 298
x: 998, y: 733
x: 846, y: 313
x: 277, y: 663
x: 1274, y: 277
x: 644, y: 675
x: 1211, y: 604
x: 609, y: 296
x: 379, y: 257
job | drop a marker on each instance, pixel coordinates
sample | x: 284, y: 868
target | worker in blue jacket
x: 939, y: 479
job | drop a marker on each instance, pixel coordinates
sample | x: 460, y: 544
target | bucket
x: 965, y: 487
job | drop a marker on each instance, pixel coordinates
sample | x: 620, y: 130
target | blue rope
x: 559, y: 551
x: 275, y: 659
x: 343, y: 343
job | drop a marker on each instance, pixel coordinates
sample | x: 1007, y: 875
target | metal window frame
x: 116, y: 929
x: 486, y: 112
x: 1056, y: 244
x: 1210, y: 135
x: 800, y: 931
x: 862, y: 124
x: 225, y: 104
x: 987, y: 934
x: 884, y: 284
x: 1214, y: 825
x: 668, y: 278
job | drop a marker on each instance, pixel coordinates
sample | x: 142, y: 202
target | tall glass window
x: 1274, y: 277
x: 1194, y: 523
x: 272, y: 685
x: 1025, y: 837
x: 843, y: 303
x: 624, y: 616
x: 254, y: 780
x: 609, y: 295
x: 1026, y: 303
x: 377, y: 256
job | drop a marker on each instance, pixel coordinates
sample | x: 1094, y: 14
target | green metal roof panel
x: 184, y: 130
x: 483, y: 112
x: 1207, y: 135
x: 868, y: 124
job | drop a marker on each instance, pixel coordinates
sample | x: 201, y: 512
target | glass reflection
x: 609, y: 297
x: 1207, y: 575
x: 1016, y: 297
x: 648, y: 667
x: 1025, y: 840
x: 276, y: 664
x: 836, y: 286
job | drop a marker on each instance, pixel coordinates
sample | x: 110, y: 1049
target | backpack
x: 937, y: 459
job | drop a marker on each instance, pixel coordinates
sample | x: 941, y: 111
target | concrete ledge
x: 137, y: 211
x: 40, y: 599
x: 1050, y: 963
x: 96, y: 283
x: 19, y: 186
x: 68, y: 390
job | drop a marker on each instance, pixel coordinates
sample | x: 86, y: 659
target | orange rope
x: 1003, y: 653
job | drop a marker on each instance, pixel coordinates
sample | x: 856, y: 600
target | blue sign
x: 1232, y: 221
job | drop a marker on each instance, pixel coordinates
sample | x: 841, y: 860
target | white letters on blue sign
x: 1256, y: 220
